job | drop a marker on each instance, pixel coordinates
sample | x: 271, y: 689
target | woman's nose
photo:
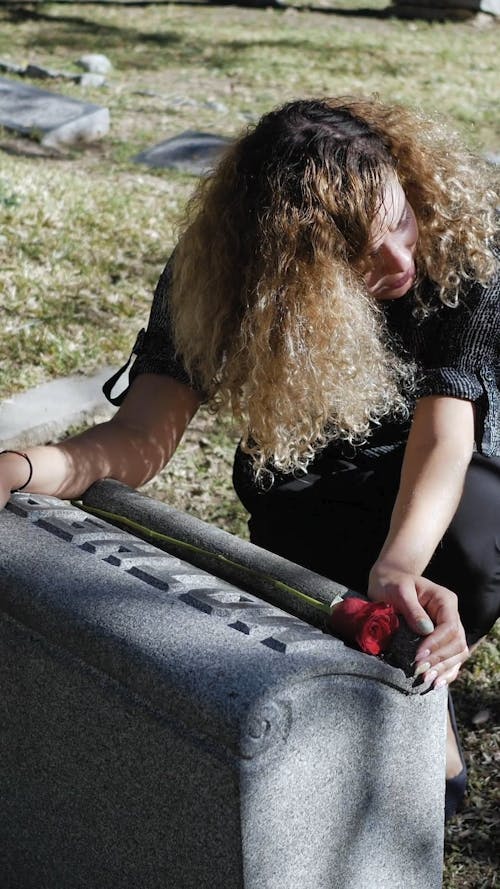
x: 396, y: 257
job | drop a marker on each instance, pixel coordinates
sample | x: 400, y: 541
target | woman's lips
x: 410, y: 274
x: 393, y: 284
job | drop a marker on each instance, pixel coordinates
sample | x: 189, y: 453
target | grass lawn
x: 85, y: 233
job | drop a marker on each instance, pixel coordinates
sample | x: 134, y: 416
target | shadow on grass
x: 472, y: 698
x: 80, y: 34
x: 75, y: 28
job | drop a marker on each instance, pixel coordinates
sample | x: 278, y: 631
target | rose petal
x: 369, y: 625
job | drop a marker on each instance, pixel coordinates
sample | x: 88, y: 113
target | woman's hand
x: 131, y: 447
x: 432, y: 611
x: 437, y: 455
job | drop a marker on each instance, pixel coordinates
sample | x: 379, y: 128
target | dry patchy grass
x: 84, y: 235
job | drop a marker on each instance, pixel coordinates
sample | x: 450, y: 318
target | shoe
x: 455, y: 787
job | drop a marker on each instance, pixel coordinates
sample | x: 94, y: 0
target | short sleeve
x: 157, y: 351
x: 154, y: 347
x: 460, y: 358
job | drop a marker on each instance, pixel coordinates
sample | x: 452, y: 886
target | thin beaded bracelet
x: 30, y: 464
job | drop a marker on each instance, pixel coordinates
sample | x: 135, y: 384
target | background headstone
x: 189, y: 152
x: 53, y: 119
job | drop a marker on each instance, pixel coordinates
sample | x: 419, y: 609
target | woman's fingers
x: 445, y: 671
x: 399, y: 588
x: 407, y: 603
x: 441, y: 654
x: 448, y: 637
x: 432, y: 611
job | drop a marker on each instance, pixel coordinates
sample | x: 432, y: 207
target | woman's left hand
x: 432, y: 611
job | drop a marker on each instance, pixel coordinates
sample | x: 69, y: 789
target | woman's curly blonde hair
x: 268, y: 311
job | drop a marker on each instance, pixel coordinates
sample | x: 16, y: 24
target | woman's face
x: 389, y: 267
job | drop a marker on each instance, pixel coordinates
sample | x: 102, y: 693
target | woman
x: 335, y: 284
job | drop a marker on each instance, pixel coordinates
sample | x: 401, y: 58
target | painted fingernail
x: 422, y: 655
x: 421, y: 668
x: 440, y: 682
x: 425, y: 626
x: 431, y: 676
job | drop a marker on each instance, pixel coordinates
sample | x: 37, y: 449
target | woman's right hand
x: 432, y: 611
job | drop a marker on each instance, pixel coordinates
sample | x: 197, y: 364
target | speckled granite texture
x: 163, y: 728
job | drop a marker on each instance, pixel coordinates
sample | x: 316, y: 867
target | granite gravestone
x: 53, y: 119
x: 189, y: 152
x: 162, y: 727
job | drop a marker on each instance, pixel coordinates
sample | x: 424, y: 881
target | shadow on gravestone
x: 163, y: 728
x: 298, y: 590
x: 190, y: 152
x: 52, y: 119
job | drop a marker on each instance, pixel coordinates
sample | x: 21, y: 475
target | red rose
x: 370, y: 625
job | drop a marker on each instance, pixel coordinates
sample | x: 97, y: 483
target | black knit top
x: 456, y: 351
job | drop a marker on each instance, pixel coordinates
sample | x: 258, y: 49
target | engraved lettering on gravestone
x: 294, y: 633
x: 71, y: 526
x: 34, y: 505
x: 203, y: 579
x: 125, y: 556
x: 103, y: 546
x: 167, y: 573
x: 161, y: 578
x: 214, y: 600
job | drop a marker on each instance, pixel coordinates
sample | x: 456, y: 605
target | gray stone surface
x: 95, y: 63
x: 190, y: 152
x: 92, y: 80
x: 45, y: 412
x: 285, y: 584
x: 301, y: 592
x: 54, y: 119
x: 217, y: 551
x: 160, y: 727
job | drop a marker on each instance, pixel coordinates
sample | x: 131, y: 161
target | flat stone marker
x: 46, y: 412
x: 163, y: 728
x: 190, y: 152
x: 54, y: 119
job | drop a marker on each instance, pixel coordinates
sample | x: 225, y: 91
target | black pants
x: 336, y: 525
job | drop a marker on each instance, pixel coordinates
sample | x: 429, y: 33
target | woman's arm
x: 437, y: 455
x: 131, y: 447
